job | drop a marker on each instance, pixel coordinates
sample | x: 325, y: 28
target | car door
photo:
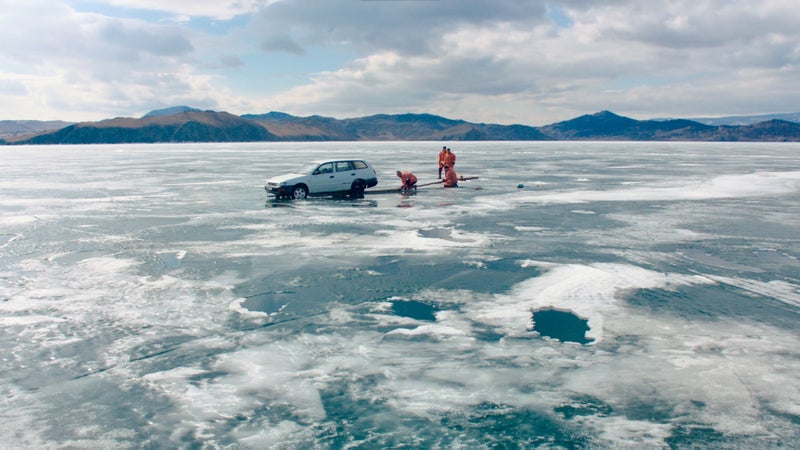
x: 345, y: 174
x: 323, y: 179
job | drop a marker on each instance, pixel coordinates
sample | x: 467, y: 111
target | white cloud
x: 217, y: 9
x: 78, y: 66
x: 676, y: 59
x: 504, y: 62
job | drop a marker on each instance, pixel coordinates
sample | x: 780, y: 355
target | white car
x: 330, y: 177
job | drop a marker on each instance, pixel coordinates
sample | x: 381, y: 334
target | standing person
x: 409, y: 180
x: 441, y: 160
x: 450, y: 177
x: 449, y: 158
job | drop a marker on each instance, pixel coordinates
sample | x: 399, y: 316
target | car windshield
x: 307, y: 169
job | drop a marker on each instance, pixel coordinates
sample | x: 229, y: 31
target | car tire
x: 357, y: 189
x: 299, y: 192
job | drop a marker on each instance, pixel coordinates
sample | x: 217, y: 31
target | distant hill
x: 185, y: 124
x: 170, y: 111
x: 10, y: 129
x: 312, y: 128
x: 606, y: 125
x: 189, y: 126
x: 746, y: 120
x: 769, y: 131
x: 386, y: 127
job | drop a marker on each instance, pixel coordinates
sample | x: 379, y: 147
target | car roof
x: 322, y: 161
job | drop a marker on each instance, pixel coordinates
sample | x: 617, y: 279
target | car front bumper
x: 278, y: 191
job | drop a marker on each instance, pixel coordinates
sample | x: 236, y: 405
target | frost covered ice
x: 153, y: 296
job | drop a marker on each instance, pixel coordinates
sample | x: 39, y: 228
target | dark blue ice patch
x: 415, y: 310
x: 562, y: 325
x: 584, y: 406
x: 712, y: 302
x: 697, y: 435
x: 268, y: 302
x: 506, y: 426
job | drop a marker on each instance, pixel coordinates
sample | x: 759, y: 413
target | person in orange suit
x: 449, y: 159
x: 450, y: 177
x: 441, y: 160
x: 408, y: 179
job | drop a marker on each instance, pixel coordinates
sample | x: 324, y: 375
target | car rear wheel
x: 299, y: 192
x: 357, y: 189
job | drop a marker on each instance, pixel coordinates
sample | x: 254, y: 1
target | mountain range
x: 745, y: 120
x: 185, y: 124
x: 25, y: 128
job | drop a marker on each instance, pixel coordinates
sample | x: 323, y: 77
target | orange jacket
x: 442, y: 155
x: 450, y: 159
x: 408, y: 179
x: 451, y: 178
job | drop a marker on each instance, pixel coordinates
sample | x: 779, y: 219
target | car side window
x: 359, y: 164
x: 343, y: 166
x: 325, y: 168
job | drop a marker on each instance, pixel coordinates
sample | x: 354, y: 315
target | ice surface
x: 759, y: 184
x: 126, y: 273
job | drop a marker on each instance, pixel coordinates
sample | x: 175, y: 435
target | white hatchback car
x: 330, y: 177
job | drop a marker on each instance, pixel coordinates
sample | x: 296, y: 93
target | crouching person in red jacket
x: 450, y: 177
x: 409, y: 180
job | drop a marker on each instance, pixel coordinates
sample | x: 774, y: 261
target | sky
x: 500, y: 61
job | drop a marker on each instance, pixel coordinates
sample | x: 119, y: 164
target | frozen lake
x: 640, y: 295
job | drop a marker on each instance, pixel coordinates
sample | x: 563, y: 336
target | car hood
x: 285, y: 177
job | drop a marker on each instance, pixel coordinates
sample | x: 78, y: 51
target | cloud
x: 90, y: 63
x: 216, y: 9
x: 405, y: 27
x: 281, y: 43
x: 135, y: 39
x: 694, y: 25
x: 501, y: 62
x: 230, y: 61
x: 653, y: 59
x: 12, y: 87
x: 58, y: 35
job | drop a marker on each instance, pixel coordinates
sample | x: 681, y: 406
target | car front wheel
x: 299, y: 192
